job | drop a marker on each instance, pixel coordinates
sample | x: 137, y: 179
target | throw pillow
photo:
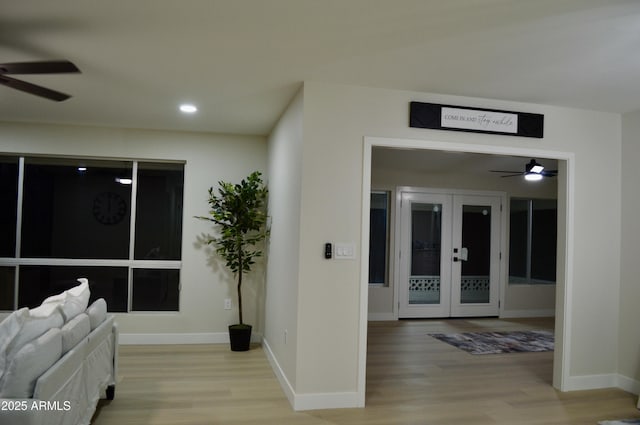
x: 74, y: 330
x: 29, y: 363
x: 32, y: 327
x: 72, y: 301
x: 97, y: 312
x: 9, y: 328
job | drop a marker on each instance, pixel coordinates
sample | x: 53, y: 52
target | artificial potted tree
x: 239, y: 211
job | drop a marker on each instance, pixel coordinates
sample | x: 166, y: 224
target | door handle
x: 464, y: 255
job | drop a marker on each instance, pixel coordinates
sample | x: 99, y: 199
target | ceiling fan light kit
x: 533, y: 171
x: 39, y: 67
x: 532, y: 177
x: 536, y: 168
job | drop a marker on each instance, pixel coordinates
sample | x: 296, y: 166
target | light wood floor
x: 411, y: 379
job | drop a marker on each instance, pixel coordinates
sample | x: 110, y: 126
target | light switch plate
x: 344, y: 251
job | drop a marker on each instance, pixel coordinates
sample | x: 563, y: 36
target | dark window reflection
x: 8, y: 205
x: 7, y: 287
x: 39, y: 282
x: 76, y: 209
x: 156, y: 290
x: 159, y: 211
x: 378, y: 241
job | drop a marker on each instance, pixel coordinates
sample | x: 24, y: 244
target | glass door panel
x: 426, y: 250
x: 425, y: 244
x: 476, y: 255
x: 476, y: 243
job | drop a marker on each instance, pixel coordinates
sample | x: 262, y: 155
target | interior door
x: 449, y: 256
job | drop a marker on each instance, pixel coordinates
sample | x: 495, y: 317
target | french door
x: 449, y: 255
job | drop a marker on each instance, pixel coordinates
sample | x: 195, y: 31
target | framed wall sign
x: 477, y: 120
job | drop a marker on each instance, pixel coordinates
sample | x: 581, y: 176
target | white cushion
x: 74, y: 330
x: 29, y: 363
x: 72, y: 301
x: 44, y: 310
x: 33, y: 326
x: 97, y: 312
x: 9, y: 328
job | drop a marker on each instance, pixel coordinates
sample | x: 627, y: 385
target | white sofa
x: 57, y: 360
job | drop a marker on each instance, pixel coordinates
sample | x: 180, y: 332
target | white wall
x: 337, y: 118
x: 209, y: 158
x: 519, y: 300
x: 285, y: 182
x: 629, y: 354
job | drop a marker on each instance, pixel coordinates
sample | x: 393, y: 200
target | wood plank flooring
x: 411, y: 379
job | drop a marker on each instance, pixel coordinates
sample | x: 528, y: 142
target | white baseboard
x: 518, y: 314
x: 628, y: 384
x: 609, y: 380
x: 180, y: 338
x: 287, y: 388
x: 317, y: 401
x: 380, y: 317
x: 309, y: 401
x: 590, y: 382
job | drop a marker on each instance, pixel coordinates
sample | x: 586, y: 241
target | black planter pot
x: 240, y: 337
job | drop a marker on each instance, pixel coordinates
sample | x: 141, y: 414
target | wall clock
x: 109, y: 208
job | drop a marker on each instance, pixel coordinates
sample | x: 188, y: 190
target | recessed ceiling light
x: 188, y: 108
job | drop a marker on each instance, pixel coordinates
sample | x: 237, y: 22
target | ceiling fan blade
x: 41, y: 67
x: 549, y: 173
x: 503, y: 171
x: 512, y: 175
x: 33, y: 89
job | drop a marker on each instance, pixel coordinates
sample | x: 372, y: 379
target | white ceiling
x: 241, y: 61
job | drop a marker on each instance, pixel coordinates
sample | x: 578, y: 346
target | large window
x: 8, y: 203
x: 117, y: 223
x: 379, y: 238
x: 532, y: 241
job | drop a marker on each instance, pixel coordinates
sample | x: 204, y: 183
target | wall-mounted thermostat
x: 328, y: 250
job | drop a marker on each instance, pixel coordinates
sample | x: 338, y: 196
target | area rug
x: 620, y: 422
x: 500, y: 342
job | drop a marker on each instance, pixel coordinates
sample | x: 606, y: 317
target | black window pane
x: 159, y: 211
x: 39, y: 282
x: 76, y: 209
x: 156, y: 290
x: 9, y: 205
x: 378, y: 220
x: 518, y: 238
x: 543, y: 240
x: 7, y: 287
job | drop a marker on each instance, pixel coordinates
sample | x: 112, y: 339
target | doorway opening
x: 438, y: 178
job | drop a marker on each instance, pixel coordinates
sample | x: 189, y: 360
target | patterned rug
x: 620, y: 422
x: 499, y: 342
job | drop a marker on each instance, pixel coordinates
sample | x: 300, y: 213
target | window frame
x: 527, y: 279
x: 131, y: 263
